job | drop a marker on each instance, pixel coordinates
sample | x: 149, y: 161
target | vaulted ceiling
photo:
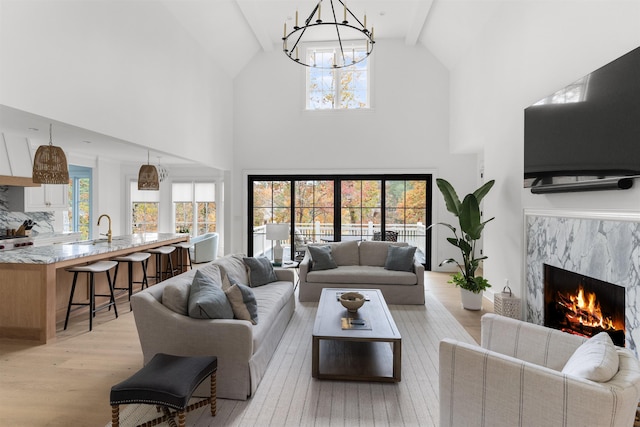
x: 232, y: 32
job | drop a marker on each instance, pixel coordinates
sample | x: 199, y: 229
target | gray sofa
x: 361, y: 265
x: 243, y: 349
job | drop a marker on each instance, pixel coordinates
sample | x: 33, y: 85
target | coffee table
x: 370, y: 352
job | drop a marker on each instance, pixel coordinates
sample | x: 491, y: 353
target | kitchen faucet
x: 108, y: 232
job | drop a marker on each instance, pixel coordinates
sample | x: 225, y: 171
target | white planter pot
x: 471, y: 300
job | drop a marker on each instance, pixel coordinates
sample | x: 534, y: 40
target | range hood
x: 15, y: 161
x: 17, y: 181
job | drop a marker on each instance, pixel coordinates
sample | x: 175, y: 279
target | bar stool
x: 158, y: 252
x: 143, y: 259
x: 180, y: 247
x: 92, y: 269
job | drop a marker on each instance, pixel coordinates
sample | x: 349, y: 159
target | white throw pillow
x: 595, y: 360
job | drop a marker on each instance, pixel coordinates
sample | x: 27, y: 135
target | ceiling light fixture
x: 344, y: 35
x: 148, y: 177
x: 50, y: 164
x: 163, y: 173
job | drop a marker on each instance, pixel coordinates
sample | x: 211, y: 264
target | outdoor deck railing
x: 413, y: 234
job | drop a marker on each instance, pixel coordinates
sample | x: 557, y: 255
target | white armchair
x: 515, y: 379
x: 205, y: 248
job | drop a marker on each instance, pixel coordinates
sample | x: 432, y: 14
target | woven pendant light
x: 148, y: 177
x: 50, y: 164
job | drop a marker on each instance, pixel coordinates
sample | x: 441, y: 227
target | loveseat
x: 162, y: 315
x: 362, y: 265
x: 529, y: 375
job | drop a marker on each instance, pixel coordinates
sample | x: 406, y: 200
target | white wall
x: 529, y: 50
x: 124, y: 69
x: 406, y: 131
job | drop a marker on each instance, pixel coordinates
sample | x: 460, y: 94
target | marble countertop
x: 50, y: 254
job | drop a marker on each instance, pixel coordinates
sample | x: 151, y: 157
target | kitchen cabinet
x: 46, y: 198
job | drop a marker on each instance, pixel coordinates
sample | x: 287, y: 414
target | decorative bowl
x: 352, y: 301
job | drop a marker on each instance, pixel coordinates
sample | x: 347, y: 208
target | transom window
x: 338, y: 88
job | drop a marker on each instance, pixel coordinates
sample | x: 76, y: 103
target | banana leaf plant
x: 466, y: 235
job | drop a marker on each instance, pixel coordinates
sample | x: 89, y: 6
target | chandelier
x: 347, y: 37
x: 163, y: 172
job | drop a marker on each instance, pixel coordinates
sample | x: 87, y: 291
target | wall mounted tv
x: 586, y: 134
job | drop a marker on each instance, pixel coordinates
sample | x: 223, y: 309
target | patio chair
x: 389, y: 236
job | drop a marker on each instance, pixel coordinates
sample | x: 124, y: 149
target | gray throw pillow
x: 400, y: 258
x: 243, y: 302
x: 207, y: 300
x: 321, y: 258
x: 260, y: 271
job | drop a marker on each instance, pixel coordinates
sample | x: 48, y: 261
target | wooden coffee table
x: 370, y: 352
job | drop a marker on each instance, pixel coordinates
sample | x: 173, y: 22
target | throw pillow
x: 260, y: 271
x: 175, y: 297
x: 243, y: 302
x: 207, y: 300
x: 595, y: 360
x: 400, y: 258
x: 321, y: 258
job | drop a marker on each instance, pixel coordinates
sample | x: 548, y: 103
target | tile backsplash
x: 8, y: 220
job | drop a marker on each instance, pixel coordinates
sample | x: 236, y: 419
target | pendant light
x: 50, y: 164
x: 148, y: 177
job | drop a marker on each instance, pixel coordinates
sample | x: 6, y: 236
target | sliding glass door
x: 321, y: 208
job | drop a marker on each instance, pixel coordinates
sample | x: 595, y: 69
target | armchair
x: 515, y: 378
x: 205, y: 248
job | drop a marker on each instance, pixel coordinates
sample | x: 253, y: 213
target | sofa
x: 163, y: 319
x: 362, y: 265
x: 204, y: 248
x: 529, y: 375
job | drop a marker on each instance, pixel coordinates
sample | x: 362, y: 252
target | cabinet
x: 46, y: 198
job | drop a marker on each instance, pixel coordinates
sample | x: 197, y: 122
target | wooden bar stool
x: 92, y: 269
x: 181, y: 247
x: 158, y: 252
x: 143, y: 259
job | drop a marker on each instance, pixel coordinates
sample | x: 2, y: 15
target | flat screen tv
x: 588, y: 130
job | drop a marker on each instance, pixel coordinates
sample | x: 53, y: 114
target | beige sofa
x: 361, y: 265
x: 516, y: 378
x: 243, y: 349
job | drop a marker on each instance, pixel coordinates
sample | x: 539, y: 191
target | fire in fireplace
x: 583, y: 305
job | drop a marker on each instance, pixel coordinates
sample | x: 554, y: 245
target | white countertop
x: 50, y: 254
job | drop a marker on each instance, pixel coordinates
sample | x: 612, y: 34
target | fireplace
x: 583, y: 305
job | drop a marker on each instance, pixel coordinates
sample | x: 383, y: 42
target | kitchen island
x: 35, y: 287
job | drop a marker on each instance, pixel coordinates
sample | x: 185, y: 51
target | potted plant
x: 470, y: 230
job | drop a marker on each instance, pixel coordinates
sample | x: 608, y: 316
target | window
x: 338, y: 88
x: 202, y: 218
x: 337, y: 208
x: 271, y: 203
x: 79, y: 215
x: 144, y: 210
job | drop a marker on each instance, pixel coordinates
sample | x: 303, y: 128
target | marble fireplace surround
x: 599, y: 244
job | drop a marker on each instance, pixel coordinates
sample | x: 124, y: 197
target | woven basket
x: 505, y: 304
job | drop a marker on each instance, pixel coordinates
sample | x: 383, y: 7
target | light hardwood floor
x: 69, y: 380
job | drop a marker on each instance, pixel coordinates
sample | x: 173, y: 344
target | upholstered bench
x: 167, y: 381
